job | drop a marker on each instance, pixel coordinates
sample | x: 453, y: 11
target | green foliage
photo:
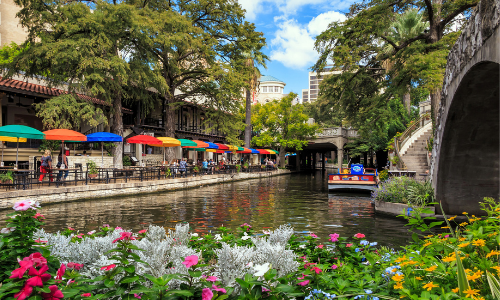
x: 281, y: 124
x: 383, y: 175
x: 404, y: 190
x: 126, y: 161
x: 7, y: 176
x: 8, y: 52
x: 92, y: 167
x: 51, y: 145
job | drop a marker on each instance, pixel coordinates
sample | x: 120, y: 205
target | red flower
x: 107, y: 268
x: 87, y: 295
x: 76, y: 266
x: 39, y: 277
x: 316, y: 269
x: 359, y: 235
x: 61, y: 271
x: 55, y: 293
x: 19, y: 273
x: 37, y: 259
x: 125, y: 236
x: 24, y: 293
x: 39, y: 216
x: 143, y: 231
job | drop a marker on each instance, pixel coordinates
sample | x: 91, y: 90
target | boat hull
x: 351, y: 187
x: 352, y: 182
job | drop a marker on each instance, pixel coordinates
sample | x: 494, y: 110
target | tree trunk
x: 407, y: 102
x: 282, y: 157
x: 169, y: 118
x: 435, y: 101
x: 248, y: 119
x: 118, y: 129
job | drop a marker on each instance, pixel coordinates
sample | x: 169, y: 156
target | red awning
x: 144, y: 139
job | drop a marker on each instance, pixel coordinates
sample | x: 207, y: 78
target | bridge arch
x: 466, y: 148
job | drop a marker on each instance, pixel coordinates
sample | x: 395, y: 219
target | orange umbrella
x: 64, y: 135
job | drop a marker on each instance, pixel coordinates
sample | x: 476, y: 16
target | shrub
x: 383, y: 175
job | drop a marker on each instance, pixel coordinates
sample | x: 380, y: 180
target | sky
x: 290, y: 28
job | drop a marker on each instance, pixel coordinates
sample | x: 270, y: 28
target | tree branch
x: 430, y: 12
x: 452, y: 16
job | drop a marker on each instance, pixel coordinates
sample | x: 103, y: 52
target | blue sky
x: 290, y: 28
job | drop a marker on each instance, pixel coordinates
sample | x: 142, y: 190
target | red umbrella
x: 220, y: 151
x: 144, y: 139
x: 245, y: 151
x: 262, y: 151
x: 222, y: 147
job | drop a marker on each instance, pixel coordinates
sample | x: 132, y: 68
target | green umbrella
x: 200, y: 149
x: 240, y: 149
x: 187, y: 143
x: 21, y: 131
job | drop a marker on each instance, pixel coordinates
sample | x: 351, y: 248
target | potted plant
x: 92, y: 169
x: 7, y: 178
x: 238, y: 168
x: 245, y: 165
x: 196, y: 169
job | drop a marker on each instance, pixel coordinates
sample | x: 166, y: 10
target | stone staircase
x: 415, y: 154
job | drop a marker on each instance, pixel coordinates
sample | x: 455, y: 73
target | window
x: 264, y: 89
x: 276, y: 89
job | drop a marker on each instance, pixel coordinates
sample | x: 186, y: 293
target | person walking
x: 46, y: 166
x: 62, y: 164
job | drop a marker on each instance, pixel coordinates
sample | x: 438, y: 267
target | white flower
x: 266, y: 232
x: 218, y: 237
x: 250, y: 264
x: 302, y: 246
x: 194, y: 234
x: 261, y: 269
x: 7, y: 230
x: 245, y: 236
x: 34, y: 203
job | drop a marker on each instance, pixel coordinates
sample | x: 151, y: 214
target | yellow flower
x: 432, y: 268
x: 462, y: 239
x: 398, y: 277
x: 464, y: 245
x: 452, y: 218
x: 427, y: 244
x: 463, y: 224
x: 493, y: 252
x: 492, y: 234
x: 473, y: 277
x: 428, y: 236
x: 430, y: 285
x: 471, y: 292
x: 479, y: 243
x: 401, y: 259
x: 418, y: 278
x: 394, y: 270
x: 497, y: 268
x: 445, y: 227
x: 455, y: 290
x: 464, y: 213
x: 467, y: 271
x: 477, y: 298
x: 398, y: 286
x: 450, y: 258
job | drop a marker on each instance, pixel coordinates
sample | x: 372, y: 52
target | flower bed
x: 112, y: 263
x: 404, y: 190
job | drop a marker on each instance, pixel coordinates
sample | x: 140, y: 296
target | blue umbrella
x: 254, y: 151
x: 212, y: 146
x: 103, y: 137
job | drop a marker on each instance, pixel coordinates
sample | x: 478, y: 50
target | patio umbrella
x: 144, y: 140
x: 271, y: 151
x: 167, y: 142
x: 244, y: 151
x: 254, y: 151
x: 64, y: 135
x: 240, y: 149
x: 212, y: 146
x: 199, y: 144
x: 232, y: 148
x: 262, y: 151
x: 185, y: 143
x: 211, y: 150
x: 103, y: 137
x: 10, y: 139
x: 20, y: 131
x: 222, y: 146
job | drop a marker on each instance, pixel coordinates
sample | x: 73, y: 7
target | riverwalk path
x: 72, y: 193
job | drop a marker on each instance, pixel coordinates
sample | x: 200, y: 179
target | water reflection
x: 301, y: 200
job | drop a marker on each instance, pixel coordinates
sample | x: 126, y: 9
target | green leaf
x: 109, y: 282
x: 194, y: 274
x: 285, y: 288
x: 130, y: 269
x: 463, y: 283
x: 494, y: 285
x: 129, y: 279
x: 180, y: 292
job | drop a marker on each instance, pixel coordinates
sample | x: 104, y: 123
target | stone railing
x: 337, y: 131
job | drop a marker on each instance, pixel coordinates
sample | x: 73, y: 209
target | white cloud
x: 252, y: 7
x: 293, y: 44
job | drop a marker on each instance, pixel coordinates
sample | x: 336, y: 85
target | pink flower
x: 334, y: 267
x: 24, y: 293
x: 348, y: 245
x: 22, y: 205
x: 37, y: 259
x: 137, y: 296
x: 447, y: 236
x: 206, y: 294
x: 39, y: 216
x: 55, y: 293
x: 303, y: 283
x: 218, y: 289
x: 313, y: 235
x: 316, y: 269
x: 87, y: 295
x: 265, y: 290
x: 359, y: 235
x: 75, y: 266
x: 303, y: 276
x: 143, y: 231
x: 39, y: 277
x: 107, y: 268
x: 105, y: 225
x: 190, y: 261
x: 212, y: 278
x: 61, y: 271
x: 118, y: 228
x: 19, y: 273
x: 72, y: 229
x: 304, y: 258
x: 245, y: 224
x: 127, y: 236
x: 334, y: 237
x: 40, y: 241
x: 320, y: 246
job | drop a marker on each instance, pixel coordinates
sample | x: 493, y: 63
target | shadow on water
x: 301, y: 200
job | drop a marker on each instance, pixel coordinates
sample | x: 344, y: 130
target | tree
x: 86, y: 48
x: 356, y: 46
x: 282, y: 125
x: 196, y: 49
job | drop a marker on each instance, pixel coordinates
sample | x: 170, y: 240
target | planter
x: 7, y: 182
x: 396, y: 209
x: 92, y: 175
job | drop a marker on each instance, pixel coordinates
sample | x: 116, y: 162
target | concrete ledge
x: 73, y: 193
x: 396, y: 209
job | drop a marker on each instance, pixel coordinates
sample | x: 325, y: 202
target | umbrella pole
x: 102, y: 154
x: 163, y: 155
x: 17, y: 153
x: 3, y: 145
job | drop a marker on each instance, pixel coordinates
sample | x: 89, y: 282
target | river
x: 301, y: 200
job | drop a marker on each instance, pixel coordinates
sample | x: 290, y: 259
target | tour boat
x: 358, y: 179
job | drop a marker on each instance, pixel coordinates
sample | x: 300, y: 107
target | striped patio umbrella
x: 222, y: 146
x: 10, y: 139
x: 187, y: 143
x: 167, y: 142
x: 199, y: 144
x: 262, y: 151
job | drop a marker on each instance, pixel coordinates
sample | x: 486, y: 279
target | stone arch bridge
x: 465, y: 164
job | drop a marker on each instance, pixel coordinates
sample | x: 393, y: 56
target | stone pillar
x: 340, y: 155
x: 297, y: 161
x: 323, y: 162
x: 333, y: 155
x: 314, y: 160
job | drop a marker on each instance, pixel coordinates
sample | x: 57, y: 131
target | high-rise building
x: 10, y: 29
x: 311, y: 94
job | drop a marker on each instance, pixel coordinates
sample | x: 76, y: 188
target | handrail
x: 401, y: 140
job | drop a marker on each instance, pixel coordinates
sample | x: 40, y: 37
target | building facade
x: 270, y: 88
x: 10, y: 29
x: 315, y: 79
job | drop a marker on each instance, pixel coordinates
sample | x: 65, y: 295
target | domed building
x: 270, y: 88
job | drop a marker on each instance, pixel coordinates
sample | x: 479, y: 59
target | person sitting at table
x: 62, y: 163
x: 46, y: 166
x: 204, y: 166
x: 182, y: 167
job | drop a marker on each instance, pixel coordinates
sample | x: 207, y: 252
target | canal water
x: 301, y: 200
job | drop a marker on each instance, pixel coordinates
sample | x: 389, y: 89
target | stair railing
x: 403, y: 138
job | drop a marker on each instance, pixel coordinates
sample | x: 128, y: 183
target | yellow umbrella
x: 211, y: 150
x: 167, y: 142
x: 10, y: 139
x: 232, y: 148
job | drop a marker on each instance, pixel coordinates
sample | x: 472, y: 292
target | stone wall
x: 80, y: 192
